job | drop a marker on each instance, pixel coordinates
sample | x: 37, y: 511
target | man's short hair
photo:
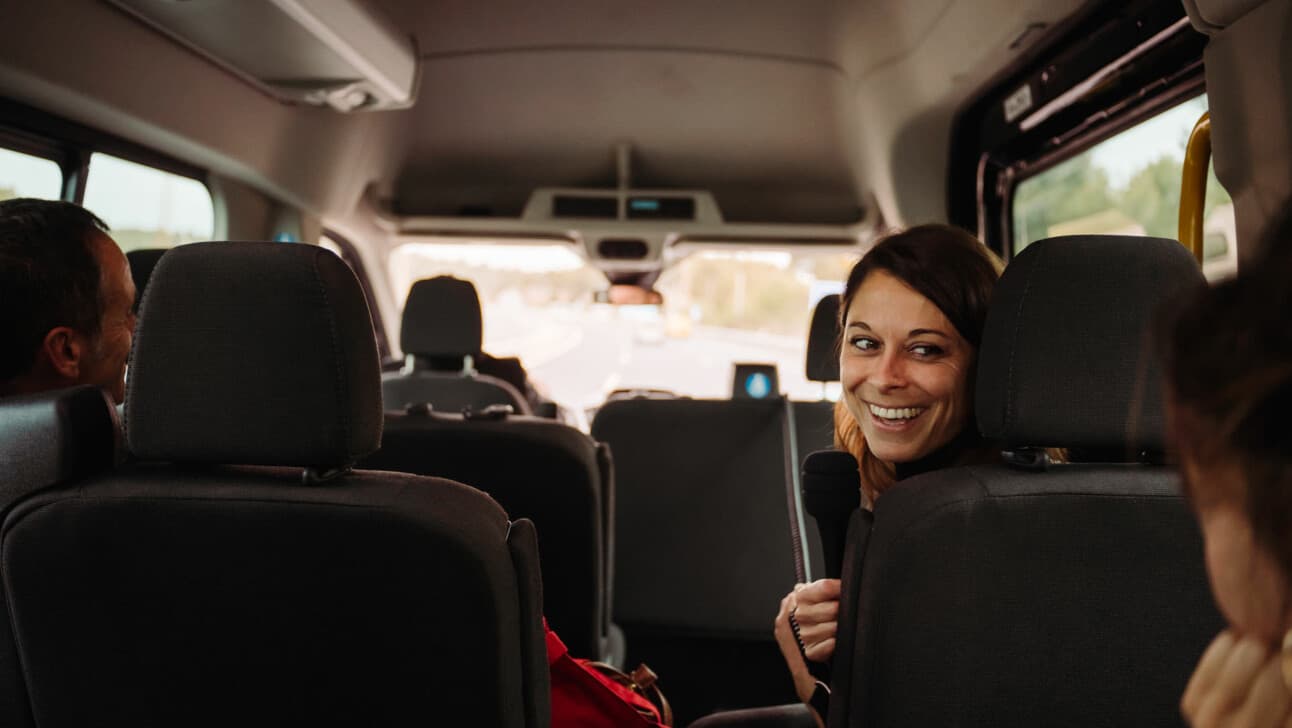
x: 49, y: 277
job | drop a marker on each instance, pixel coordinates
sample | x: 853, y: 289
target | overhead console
x: 335, y: 53
x: 624, y: 231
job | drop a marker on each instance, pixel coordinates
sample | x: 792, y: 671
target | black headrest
x: 823, y: 341
x: 441, y: 319
x: 142, y: 263
x: 254, y: 354
x: 1066, y: 356
x: 54, y: 437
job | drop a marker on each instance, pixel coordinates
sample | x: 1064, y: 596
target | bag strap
x: 642, y: 681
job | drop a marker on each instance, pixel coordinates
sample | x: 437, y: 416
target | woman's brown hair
x: 1227, y: 352
x: 949, y: 267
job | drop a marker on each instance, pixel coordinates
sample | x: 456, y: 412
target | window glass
x: 146, y: 207
x: 22, y: 175
x: 719, y: 307
x: 1127, y: 185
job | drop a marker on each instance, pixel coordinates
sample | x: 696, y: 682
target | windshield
x: 720, y: 307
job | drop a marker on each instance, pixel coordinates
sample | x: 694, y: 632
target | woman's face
x: 904, y: 369
x: 1250, y: 589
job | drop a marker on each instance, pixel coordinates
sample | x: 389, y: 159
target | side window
x: 147, y: 207
x: 1127, y: 185
x: 22, y: 175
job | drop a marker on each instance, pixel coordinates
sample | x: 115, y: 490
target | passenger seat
x: 708, y: 541
x: 441, y: 335
x: 538, y: 469
x: 241, y: 572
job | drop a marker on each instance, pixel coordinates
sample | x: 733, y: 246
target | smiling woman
x: 912, y: 315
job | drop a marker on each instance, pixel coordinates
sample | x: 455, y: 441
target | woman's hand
x: 815, y: 607
x: 804, y: 683
x: 1237, y: 683
x: 817, y: 612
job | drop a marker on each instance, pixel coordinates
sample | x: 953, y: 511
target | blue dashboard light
x: 642, y: 205
x: 758, y: 386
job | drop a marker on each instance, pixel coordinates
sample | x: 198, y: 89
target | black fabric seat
x: 708, y: 541
x: 814, y: 420
x: 240, y: 572
x: 1030, y: 593
x: 47, y: 440
x: 142, y: 263
x: 538, y: 469
x: 441, y: 335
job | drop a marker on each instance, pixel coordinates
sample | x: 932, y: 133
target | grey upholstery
x: 441, y: 328
x: 547, y: 472
x: 1067, y: 341
x: 704, y: 546
x: 1060, y: 595
x: 218, y: 582
x: 290, y: 350
x: 46, y: 440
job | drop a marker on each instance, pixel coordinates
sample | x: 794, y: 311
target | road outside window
x: 719, y: 307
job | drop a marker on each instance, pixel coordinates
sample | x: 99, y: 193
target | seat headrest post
x: 1066, y: 357
x: 254, y: 354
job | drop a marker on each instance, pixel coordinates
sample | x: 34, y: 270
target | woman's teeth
x: 901, y: 413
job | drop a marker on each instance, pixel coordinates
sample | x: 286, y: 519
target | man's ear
x: 65, y: 350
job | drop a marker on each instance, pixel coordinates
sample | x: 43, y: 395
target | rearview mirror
x: 622, y: 294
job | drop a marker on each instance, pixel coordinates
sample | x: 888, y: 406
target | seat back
x: 46, y: 440
x: 538, y: 469
x: 708, y: 541
x: 813, y: 421
x: 1035, y: 593
x: 441, y: 331
x: 240, y: 571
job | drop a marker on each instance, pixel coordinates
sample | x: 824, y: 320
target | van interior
x: 537, y: 317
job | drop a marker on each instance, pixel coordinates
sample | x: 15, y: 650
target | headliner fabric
x: 823, y: 341
x: 1067, y: 357
x: 991, y: 596
x: 254, y: 354
x: 441, y: 319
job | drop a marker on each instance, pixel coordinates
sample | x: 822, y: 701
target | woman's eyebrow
x: 923, y: 332
x: 860, y: 325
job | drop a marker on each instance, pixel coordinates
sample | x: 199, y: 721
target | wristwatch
x: 820, y: 700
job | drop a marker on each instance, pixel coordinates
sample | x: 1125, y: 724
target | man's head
x: 66, y: 300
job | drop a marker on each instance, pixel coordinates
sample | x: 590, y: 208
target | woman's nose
x: 890, y: 371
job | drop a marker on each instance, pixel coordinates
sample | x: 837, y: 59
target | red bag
x: 595, y: 695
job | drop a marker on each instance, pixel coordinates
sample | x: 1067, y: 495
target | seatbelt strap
x: 794, y: 494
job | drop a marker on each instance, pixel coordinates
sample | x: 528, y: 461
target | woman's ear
x: 64, y: 349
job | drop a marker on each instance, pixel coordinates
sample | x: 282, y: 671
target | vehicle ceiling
x: 812, y: 111
x: 791, y: 112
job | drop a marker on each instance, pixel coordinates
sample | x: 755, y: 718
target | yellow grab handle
x: 1193, y: 186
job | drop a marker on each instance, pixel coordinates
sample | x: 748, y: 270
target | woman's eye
x: 863, y: 343
x: 926, y: 350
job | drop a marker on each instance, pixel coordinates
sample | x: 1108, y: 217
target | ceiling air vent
x: 599, y: 208
x: 622, y: 249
